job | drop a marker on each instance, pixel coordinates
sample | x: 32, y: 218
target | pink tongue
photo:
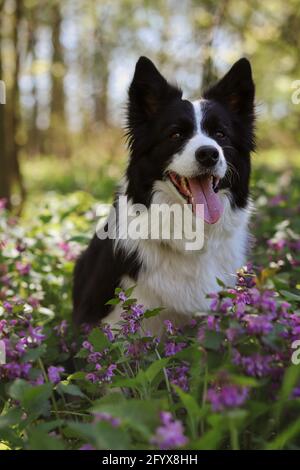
x: 203, y: 193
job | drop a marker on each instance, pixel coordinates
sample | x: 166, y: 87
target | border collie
x: 181, y: 152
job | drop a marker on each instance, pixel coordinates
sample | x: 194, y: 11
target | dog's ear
x: 236, y: 89
x: 148, y: 91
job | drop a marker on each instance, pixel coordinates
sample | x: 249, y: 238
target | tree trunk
x: 14, y: 108
x: 4, y: 169
x: 209, y: 74
x: 34, y: 137
x: 57, y: 70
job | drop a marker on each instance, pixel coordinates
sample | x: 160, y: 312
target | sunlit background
x: 67, y: 66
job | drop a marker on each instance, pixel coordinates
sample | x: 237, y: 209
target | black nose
x: 207, y: 155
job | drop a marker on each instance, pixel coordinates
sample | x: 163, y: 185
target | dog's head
x: 196, y: 152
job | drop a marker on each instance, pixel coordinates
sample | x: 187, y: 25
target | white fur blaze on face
x: 185, y: 163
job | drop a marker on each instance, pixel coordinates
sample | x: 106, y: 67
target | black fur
x: 97, y: 273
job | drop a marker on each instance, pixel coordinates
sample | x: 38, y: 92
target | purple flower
x: 277, y: 200
x: 39, y: 380
x: 94, y: 357
x: 35, y: 335
x: 54, y: 374
x: 137, y: 311
x: 169, y: 327
x: 87, y: 345
x: 8, y: 306
x: 233, y: 333
x: 170, y: 434
x: 214, y: 305
x: 109, y: 372
x: 14, y: 370
x: 87, y: 447
x: 3, y: 324
x: 61, y: 328
x: 226, y: 305
x: 108, y: 418
x: 21, y: 346
x: 179, y: 376
x: 92, y: 377
x: 122, y: 296
x: 268, y: 302
x: 258, y: 324
x: 69, y: 250
x: 23, y: 268
x: 172, y: 348
x: 255, y: 365
x: 213, y: 323
x: 136, y: 348
x: 296, y: 392
x: 276, y: 245
x: 3, y: 203
x: 109, y: 334
x: 227, y: 396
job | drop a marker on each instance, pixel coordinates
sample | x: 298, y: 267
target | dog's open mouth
x: 201, y: 190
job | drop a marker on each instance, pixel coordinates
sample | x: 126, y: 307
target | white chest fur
x: 179, y: 281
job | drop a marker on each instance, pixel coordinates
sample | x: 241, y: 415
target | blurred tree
x: 57, y: 103
x: 33, y: 15
x: 57, y: 141
x: 4, y: 170
x: 14, y: 121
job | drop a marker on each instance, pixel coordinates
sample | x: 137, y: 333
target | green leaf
x: 153, y: 313
x: 220, y: 283
x: 140, y: 415
x: 69, y: 389
x: 99, y: 340
x: 102, y: 435
x: 80, y: 375
x: 285, y: 437
x: 290, y: 381
x: 213, y: 340
x: 193, y: 409
x: 128, y: 292
x: 113, y: 302
x: 10, y: 418
x: 35, y: 400
x: 34, y: 354
x: 290, y: 295
x: 18, y: 388
x: 38, y: 439
x: 155, y: 368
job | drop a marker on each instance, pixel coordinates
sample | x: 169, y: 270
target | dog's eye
x: 175, y: 135
x: 220, y: 134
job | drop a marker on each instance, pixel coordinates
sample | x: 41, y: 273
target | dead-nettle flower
x: 107, y: 417
x: 170, y: 434
x: 54, y: 374
x: 227, y: 396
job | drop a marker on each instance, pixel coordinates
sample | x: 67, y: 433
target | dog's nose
x: 207, y: 155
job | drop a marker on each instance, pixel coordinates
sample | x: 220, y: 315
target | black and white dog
x: 180, y: 152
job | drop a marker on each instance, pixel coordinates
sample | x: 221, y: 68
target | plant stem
x: 234, y: 439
